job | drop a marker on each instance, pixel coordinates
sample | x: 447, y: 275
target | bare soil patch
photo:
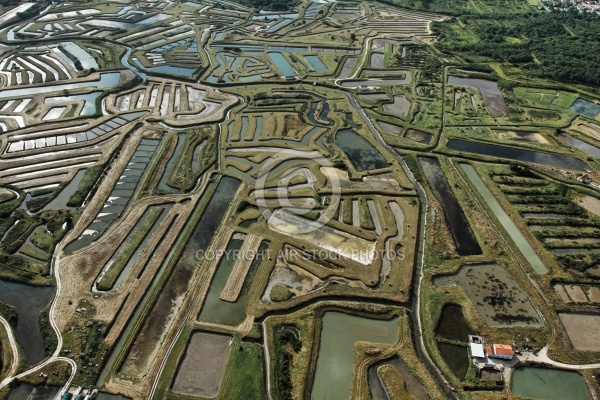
x: 582, y: 330
x: 201, y: 371
x: 594, y: 294
x: 576, y: 294
x: 560, y: 291
x: 590, y: 203
x: 521, y: 136
x: 399, y: 107
x: 418, y: 136
x: 390, y: 128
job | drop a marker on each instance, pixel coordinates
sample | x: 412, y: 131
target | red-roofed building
x: 502, y: 351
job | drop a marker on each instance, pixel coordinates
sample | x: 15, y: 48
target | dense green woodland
x: 561, y: 46
x: 275, y: 5
x: 464, y: 7
x: 564, y: 46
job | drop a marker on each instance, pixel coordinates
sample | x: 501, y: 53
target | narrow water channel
x: 514, y: 153
x: 162, y: 184
x: 458, y: 224
x: 171, y: 297
x: 511, y: 228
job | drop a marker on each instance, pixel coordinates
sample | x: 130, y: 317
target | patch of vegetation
x: 522, y: 170
x: 551, y: 214
x: 48, y: 334
x: 580, y: 262
x: 280, y: 293
x: 41, y: 192
x: 18, y: 234
x: 414, y: 167
x: 9, y: 313
x: 6, y: 195
x: 21, y: 269
x: 6, y: 224
x: 287, y: 344
x: 55, y: 230
x: 182, y: 176
x: 31, y: 11
x: 244, y: 375
x: 84, y: 343
x: 33, y: 253
x: 110, y: 277
x: 549, y: 45
x: 87, y: 182
x: 9, y: 204
x: 418, y: 56
x: 463, y: 7
x: 53, y: 374
x: 275, y: 5
x: 544, y: 114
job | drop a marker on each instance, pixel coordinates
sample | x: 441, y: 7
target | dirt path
x: 15, y: 353
x: 55, y: 356
x: 193, y: 301
x: 240, y: 270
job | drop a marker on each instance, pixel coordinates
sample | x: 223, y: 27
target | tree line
x: 562, y: 46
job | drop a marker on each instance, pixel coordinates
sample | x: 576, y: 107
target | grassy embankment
x: 134, y: 239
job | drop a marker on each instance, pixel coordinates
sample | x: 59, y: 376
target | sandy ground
x: 532, y: 137
x: 380, y: 182
x: 595, y: 271
x: 325, y: 237
x: 300, y: 278
x: 590, y: 203
x: 5, y: 195
x: 576, y: 293
x: 594, y: 294
x: 78, y: 271
x: 203, y: 365
x: 589, y: 129
x: 582, y: 330
x: 560, y: 291
x: 418, y: 136
x: 399, y: 106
